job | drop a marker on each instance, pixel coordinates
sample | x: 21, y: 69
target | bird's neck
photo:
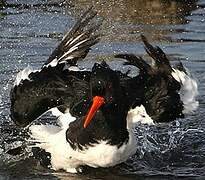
x: 115, y: 116
x: 108, y: 124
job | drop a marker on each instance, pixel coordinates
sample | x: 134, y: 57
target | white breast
x: 106, y: 155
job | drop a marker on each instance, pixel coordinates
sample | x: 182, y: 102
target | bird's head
x: 105, y: 90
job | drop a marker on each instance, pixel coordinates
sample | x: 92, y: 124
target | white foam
x: 188, y: 91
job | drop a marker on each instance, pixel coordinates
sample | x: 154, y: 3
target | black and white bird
x: 98, y: 109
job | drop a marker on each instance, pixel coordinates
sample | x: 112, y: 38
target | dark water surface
x: 30, y: 30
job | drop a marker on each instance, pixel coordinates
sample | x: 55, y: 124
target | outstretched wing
x: 77, y: 42
x: 155, y: 86
x: 45, y: 89
x: 36, y: 92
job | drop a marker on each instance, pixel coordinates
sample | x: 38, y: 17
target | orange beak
x: 98, y: 101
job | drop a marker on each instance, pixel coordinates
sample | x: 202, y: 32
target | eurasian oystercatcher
x: 97, y: 109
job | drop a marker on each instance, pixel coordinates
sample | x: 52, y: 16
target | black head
x: 105, y: 82
x: 106, y: 92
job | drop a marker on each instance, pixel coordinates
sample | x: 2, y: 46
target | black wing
x: 77, y: 42
x: 53, y: 86
x: 155, y: 86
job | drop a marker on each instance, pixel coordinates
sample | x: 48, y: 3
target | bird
x: 98, y: 109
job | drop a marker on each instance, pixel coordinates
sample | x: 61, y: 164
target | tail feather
x: 77, y: 42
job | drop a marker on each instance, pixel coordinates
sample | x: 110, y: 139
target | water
x: 29, y: 31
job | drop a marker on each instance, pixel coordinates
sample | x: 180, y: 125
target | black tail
x: 77, y: 42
